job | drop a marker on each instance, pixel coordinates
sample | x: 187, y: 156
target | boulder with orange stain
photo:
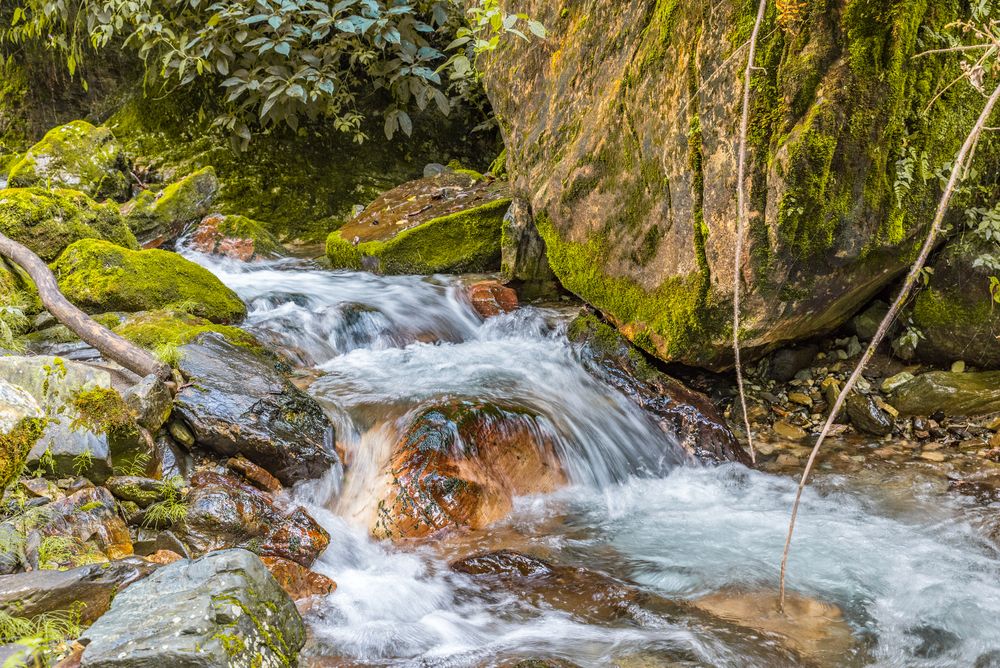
x: 491, y: 298
x: 460, y: 465
x: 235, y: 237
x: 300, y: 582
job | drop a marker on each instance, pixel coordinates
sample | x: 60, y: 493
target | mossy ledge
x: 98, y: 277
x: 467, y: 241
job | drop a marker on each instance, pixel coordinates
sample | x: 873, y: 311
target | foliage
x: 13, y: 321
x: 281, y: 61
x: 172, y: 509
x: 50, y: 633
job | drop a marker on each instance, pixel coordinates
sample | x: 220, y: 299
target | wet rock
x: 87, y: 527
x: 785, y: 363
x: 150, y: 401
x: 523, y: 260
x: 141, y: 491
x: 951, y: 393
x: 63, y: 451
x: 490, y: 298
x: 235, y: 237
x: 254, y: 474
x: 297, y: 580
x: 789, y: 431
x: 225, y: 512
x: 801, y: 399
x: 94, y: 585
x: 681, y: 412
x: 98, y: 277
x: 866, y: 323
x: 77, y: 156
x: 460, y: 465
x: 15, y: 405
x: 866, y: 415
x: 220, y: 610
x: 160, y: 217
x: 898, y: 380
x: 449, y: 223
x: 237, y: 403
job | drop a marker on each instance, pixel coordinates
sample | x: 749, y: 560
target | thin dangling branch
x: 741, y: 220
x: 959, y: 166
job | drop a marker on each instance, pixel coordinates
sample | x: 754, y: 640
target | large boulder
x: 48, y: 221
x: 88, y: 588
x: 461, y: 464
x: 77, y: 156
x: 20, y: 427
x: 955, y: 312
x: 98, y: 277
x: 239, y: 403
x: 225, y: 512
x: 449, y: 223
x: 622, y: 128
x: 223, y: 609
x: 157, y: 217
x: 686, y: 415
x: 949, y: 393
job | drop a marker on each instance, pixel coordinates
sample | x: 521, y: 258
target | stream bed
x: 915, y: 569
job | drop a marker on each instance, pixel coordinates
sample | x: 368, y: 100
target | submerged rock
x: 950, y: 393
x: 238, y: 403
x: 89, y: 587
x: 235, y: 237
x: 99, y: 277
x: 224, y: 609
x: 680, y: 412
x: 491, y: 298
x: 956, y: 312
x: 450, y: 223
x: 224, y: 512
x: 867, y: 416
x: 78, y: 156
x: 460, y: 465
x: 159, y: 217
x: 523, y: 261
x: 49, y: 221
x: 297, y: 580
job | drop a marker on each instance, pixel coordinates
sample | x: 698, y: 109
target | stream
x: 914, y: 569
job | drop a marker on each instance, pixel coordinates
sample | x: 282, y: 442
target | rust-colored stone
x: 297, y: 580
x: 164, y: 557
x: 257, y: 476
x: 491, y: 298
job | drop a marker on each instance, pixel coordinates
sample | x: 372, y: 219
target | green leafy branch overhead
x: 283, y: 61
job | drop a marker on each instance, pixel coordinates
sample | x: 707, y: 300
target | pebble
x: 932, y: 456
x: 787, y: 460
x: 789, y: 431
x: 800, y: 398
x: 958, y: 367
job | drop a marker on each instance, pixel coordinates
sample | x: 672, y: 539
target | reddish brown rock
x: 226, y: 512
x: 254, y: 474
x: 164, y: 557
x: 87, y: 526
x: 234, y: 237
x: 460, y: 465
x: 297, y: 580
x: 491, y: 298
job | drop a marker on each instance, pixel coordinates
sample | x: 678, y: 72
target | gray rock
x: 787, y: 362
x: 951, y: 393
x: 138, y: 490
x: 15, y: 405
x: 151, y: 401
x: 866, y: 416
x: 522, y: 254
x: 64, y: 451
x: 94, y: 585
x: 435, y: 168
x: 866, y: 323
x: 224, y: 609
x: 240, y: 404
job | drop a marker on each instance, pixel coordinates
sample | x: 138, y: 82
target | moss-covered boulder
x: 236, y: 237
x: 164, y: 331
x: 955, y: 312
x: 98, y: 277
x: 949, y: 393
x: 48, y: 221
x: 159, y: 217
x: 450, y: 223
x: 622, y: 129
x: 78, y: 156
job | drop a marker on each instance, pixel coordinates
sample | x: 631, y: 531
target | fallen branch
x: 961, y: 162
x: 109, y: 344
x: 741, y: 217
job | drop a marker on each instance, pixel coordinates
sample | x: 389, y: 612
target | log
x: 109, y: 344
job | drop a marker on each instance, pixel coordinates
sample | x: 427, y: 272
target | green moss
x: 48, y: 221
x: 103, y: 411
x: 467, y: 241
x: 78, y: 156
x: 672, y: 321
x: 15, y: 446
x: 156, y: 330
x: 99, y: 277
x: 265, y: 244
x: 167, y: 213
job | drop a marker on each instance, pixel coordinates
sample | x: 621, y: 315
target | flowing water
x: 914, y: 569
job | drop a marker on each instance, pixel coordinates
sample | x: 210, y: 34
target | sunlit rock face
x: 622, y: 130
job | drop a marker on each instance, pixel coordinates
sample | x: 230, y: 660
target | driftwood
x: 958, y: 167
x: 109, y: 344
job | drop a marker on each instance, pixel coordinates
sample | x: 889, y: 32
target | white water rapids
x: 914, y: 569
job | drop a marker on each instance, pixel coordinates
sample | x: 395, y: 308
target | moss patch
x: 159, y: 330
x: 15, y: 446
x: 165, y: 214
x: 98, y: 277
x: 48, y: 221
x: 78, y: 156
x: 467, y: 241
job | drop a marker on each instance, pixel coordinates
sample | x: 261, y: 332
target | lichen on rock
x: 98, y: 277
x: 78, y: 156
